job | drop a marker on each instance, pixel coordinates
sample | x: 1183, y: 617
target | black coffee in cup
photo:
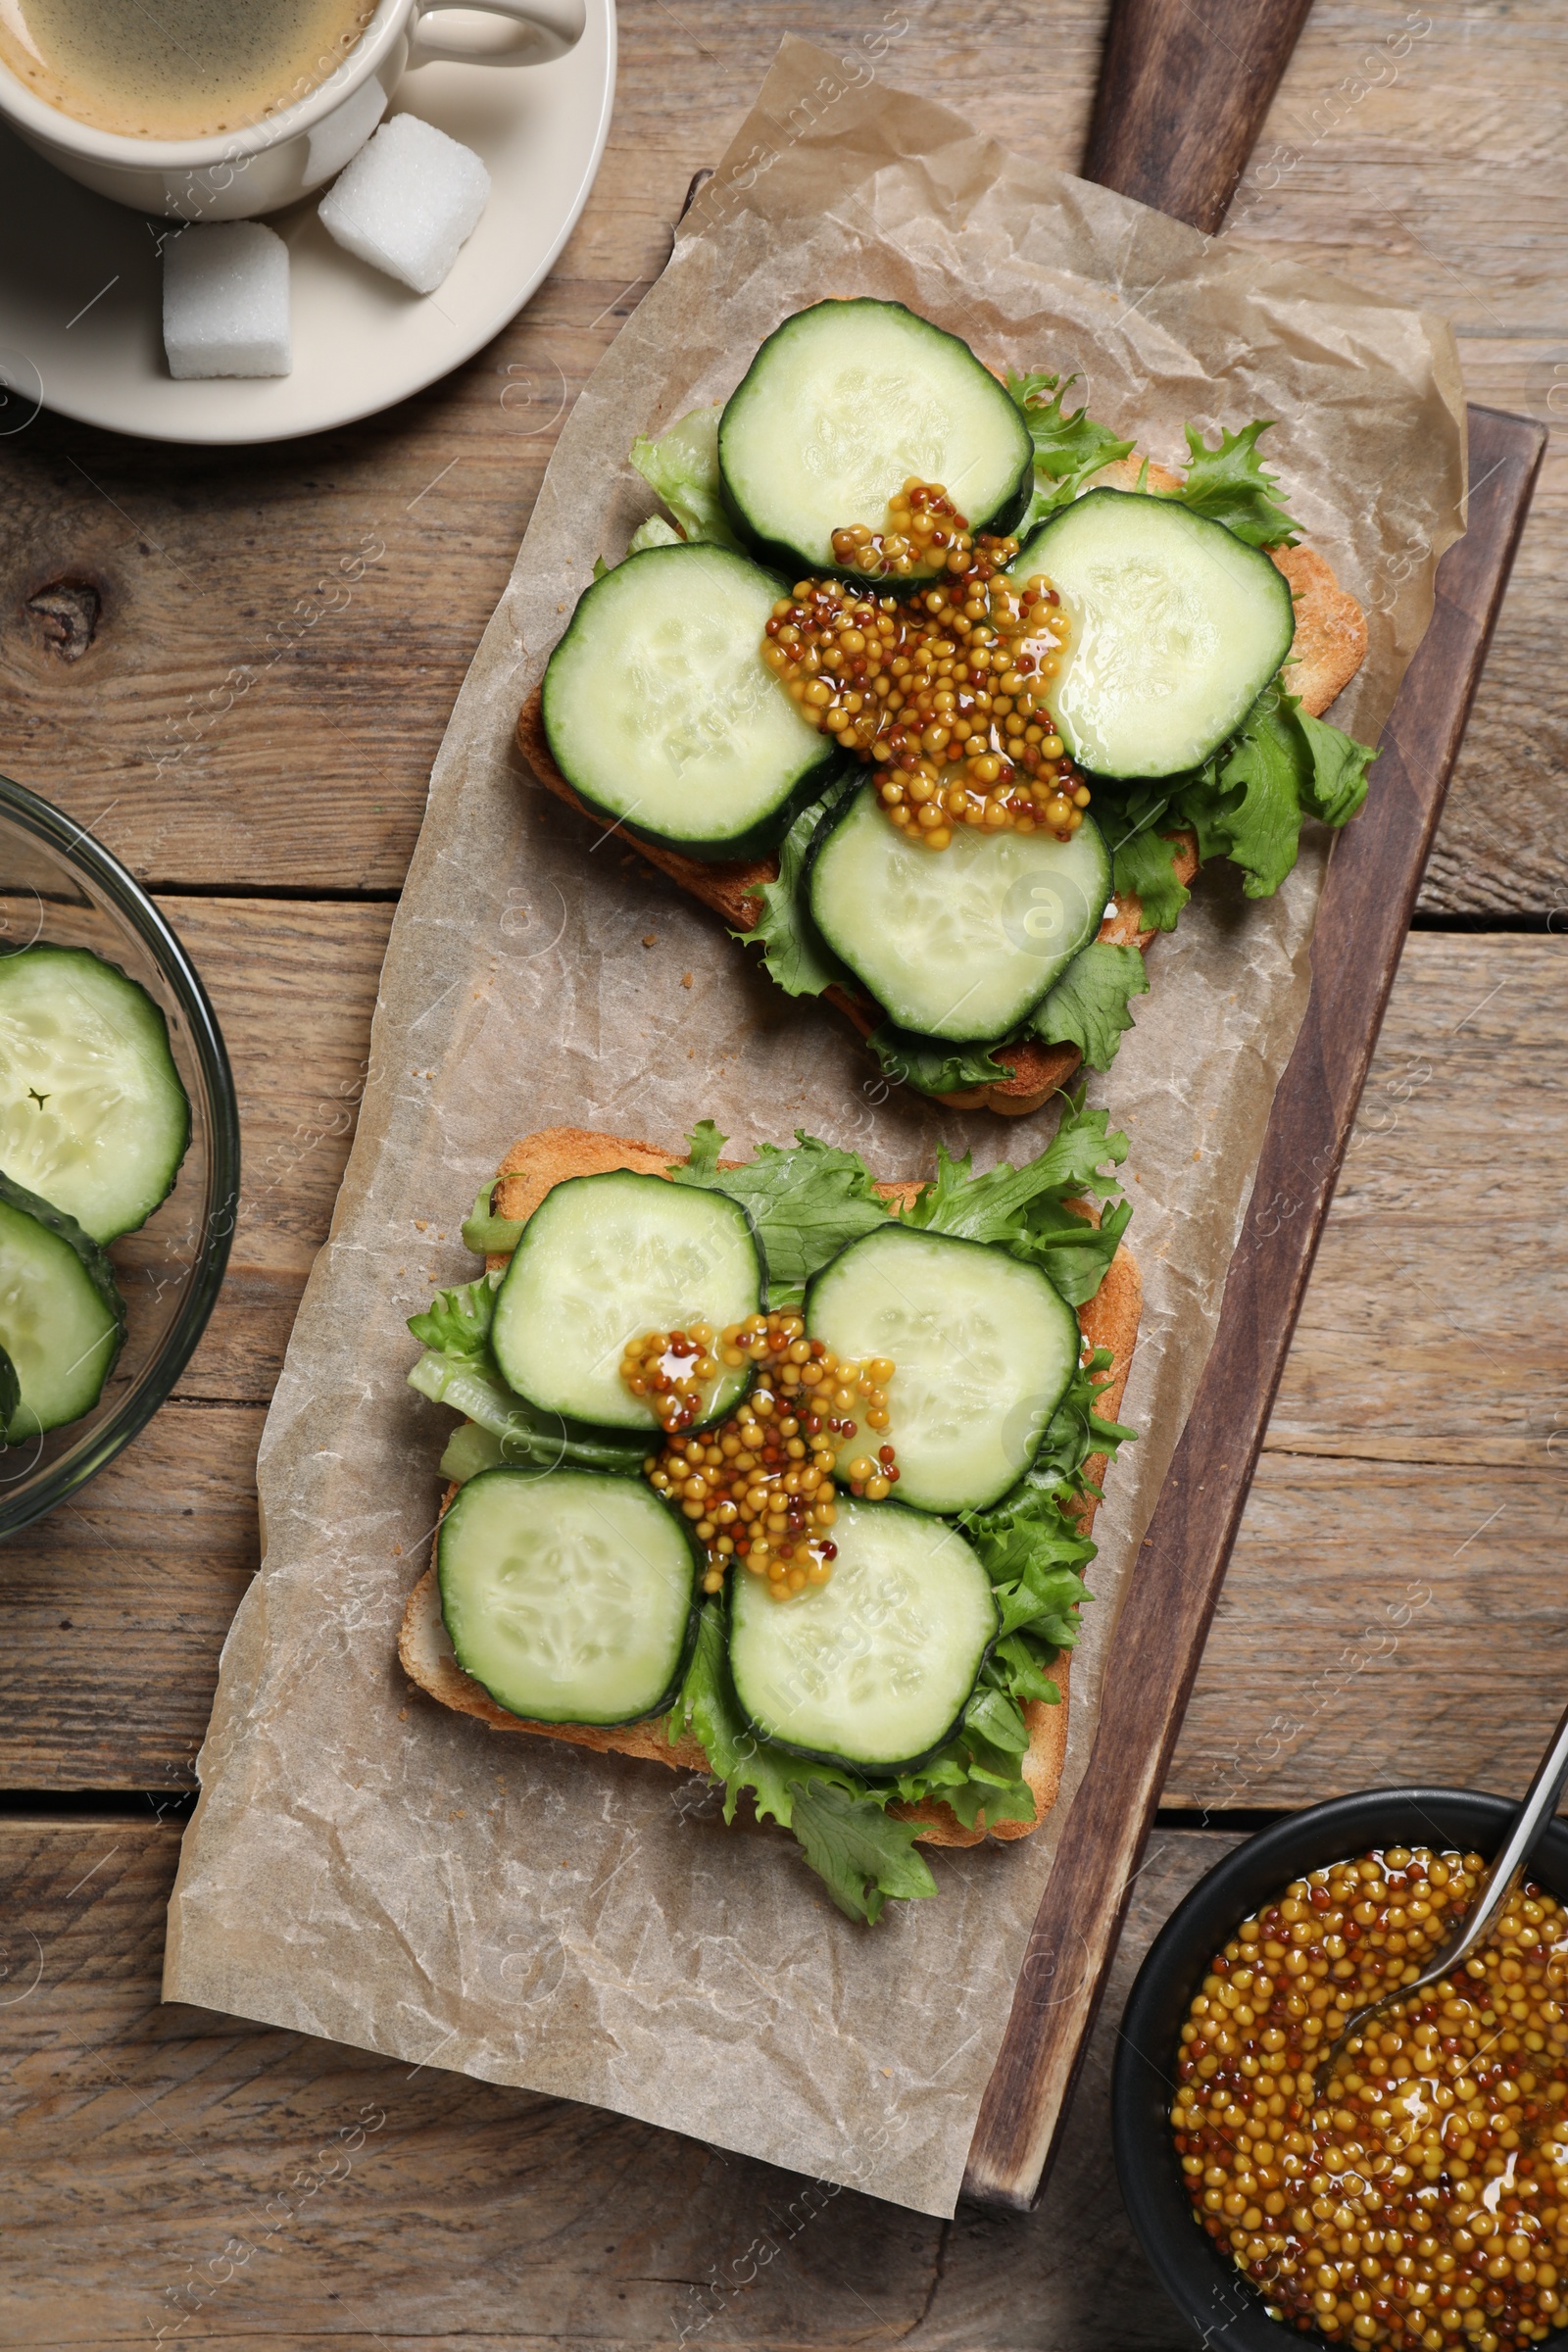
x: 176, y: 69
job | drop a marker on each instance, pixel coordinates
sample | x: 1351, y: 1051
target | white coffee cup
x: 264, y: 164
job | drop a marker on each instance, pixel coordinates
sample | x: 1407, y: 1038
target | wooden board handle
x: 1183, y: 87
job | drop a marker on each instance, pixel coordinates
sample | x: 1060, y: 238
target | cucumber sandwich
x: 94, y: 1123
x: 938, y: 693
x: 774, y: 1473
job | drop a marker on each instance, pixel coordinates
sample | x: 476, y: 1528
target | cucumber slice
x: 93, y: 1116
x: 662, y: 715
x: 958, y: 943
x: 984, y: 1349
x: 571, y: 1597
x: 875, y: 1668
x: 61, y: 1318
x: 10, y: 1392
x: 604, y: 1259
x: 842, y: 404
x: 1176, y: 628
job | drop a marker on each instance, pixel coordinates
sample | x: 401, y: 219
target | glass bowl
x: 1224, y: 2308
x: 57, y: 884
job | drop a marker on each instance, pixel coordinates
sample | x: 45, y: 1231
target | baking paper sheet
x: 367, y: 1866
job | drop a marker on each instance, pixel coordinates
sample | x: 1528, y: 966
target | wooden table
x: 171, y: 2170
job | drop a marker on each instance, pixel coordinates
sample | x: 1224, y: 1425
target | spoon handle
x: 1538, y: 1808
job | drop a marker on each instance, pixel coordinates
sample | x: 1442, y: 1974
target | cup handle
x: 526, y: 32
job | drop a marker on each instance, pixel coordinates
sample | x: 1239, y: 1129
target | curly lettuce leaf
x: 1335, y: 784
x: 473, y: 1387
x: 1073, y: 1438
x: 682, y: 468
x: 1000, y: 1205
x: 457, y: 1322
x: 1069, y: 1251
x: 862, y: 1855
x: 1088, y: 1007
x: 468, y: 1450
x: 1069, y: 446
x: 655, y: 532
x: 1247, y: 802
x: 930, y: 1065
x: 1143, y: 859
x: 1035, y: 1555
x: 1228, y: 486
x: 486, y: 1233
x: 807, y: 1201
x: 794, y: 951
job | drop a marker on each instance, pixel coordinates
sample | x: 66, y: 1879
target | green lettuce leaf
x: 1334, y: 785
x: 1035, y: 1556
x: 457, y: 1322
x: 1001, y: 1206
x: 486, y: 1233
x: 862, y: 1855
x: 807, y: 1201
x: 1141, y: 859
x: 1074, y: 1434
x: 930, y: 1065
x: 655, y: 532
x: 1069, y: 446
x: 683, y: 466
x: 1069, y: 1251
x: 468, y: 1450
x: 1228, y: 486
x: 794, y: 951
x: 1247, y: 802
x: 1088, y: 1006
x: 473, y: 1387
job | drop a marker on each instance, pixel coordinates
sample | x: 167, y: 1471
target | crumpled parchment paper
x: 367, y: 1866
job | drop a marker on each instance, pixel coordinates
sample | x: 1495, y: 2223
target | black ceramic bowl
x: 1207, y: 2288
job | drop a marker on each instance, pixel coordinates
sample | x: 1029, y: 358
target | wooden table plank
x: 206, y: 564
x: 1425, y: 1370
x: 115, y: 1608
x: 157, y: 2170
x: 294, y: 987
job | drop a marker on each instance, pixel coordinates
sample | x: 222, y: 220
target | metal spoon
x: 1492, y: 1896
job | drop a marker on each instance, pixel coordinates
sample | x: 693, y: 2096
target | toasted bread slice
x: 1328, y: 648
x: 530, y: 1168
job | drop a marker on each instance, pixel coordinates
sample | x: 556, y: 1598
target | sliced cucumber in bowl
x: 573, y: 1597
x: 662, y: 715
x: 845, y: 403
x: 984, y: 1349
x: 961, y: 943
x: 1175, y: 628
x: 61, y: 1318
x: 873, y: 1669
x: 94, y: 1115
x: 607, y: 1259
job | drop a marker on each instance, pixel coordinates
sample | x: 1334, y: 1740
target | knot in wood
x: 68, y: 614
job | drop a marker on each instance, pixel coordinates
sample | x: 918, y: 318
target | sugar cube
x: 226, y: 301
x: 407, y: 202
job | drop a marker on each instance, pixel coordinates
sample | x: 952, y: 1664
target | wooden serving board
x: 1180, y: 102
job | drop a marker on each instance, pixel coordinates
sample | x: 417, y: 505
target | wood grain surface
x: 237, y: 666
x: 243, y: 711
x: 168, y: 2170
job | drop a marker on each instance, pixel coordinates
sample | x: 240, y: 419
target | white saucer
x: 81, y: 299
